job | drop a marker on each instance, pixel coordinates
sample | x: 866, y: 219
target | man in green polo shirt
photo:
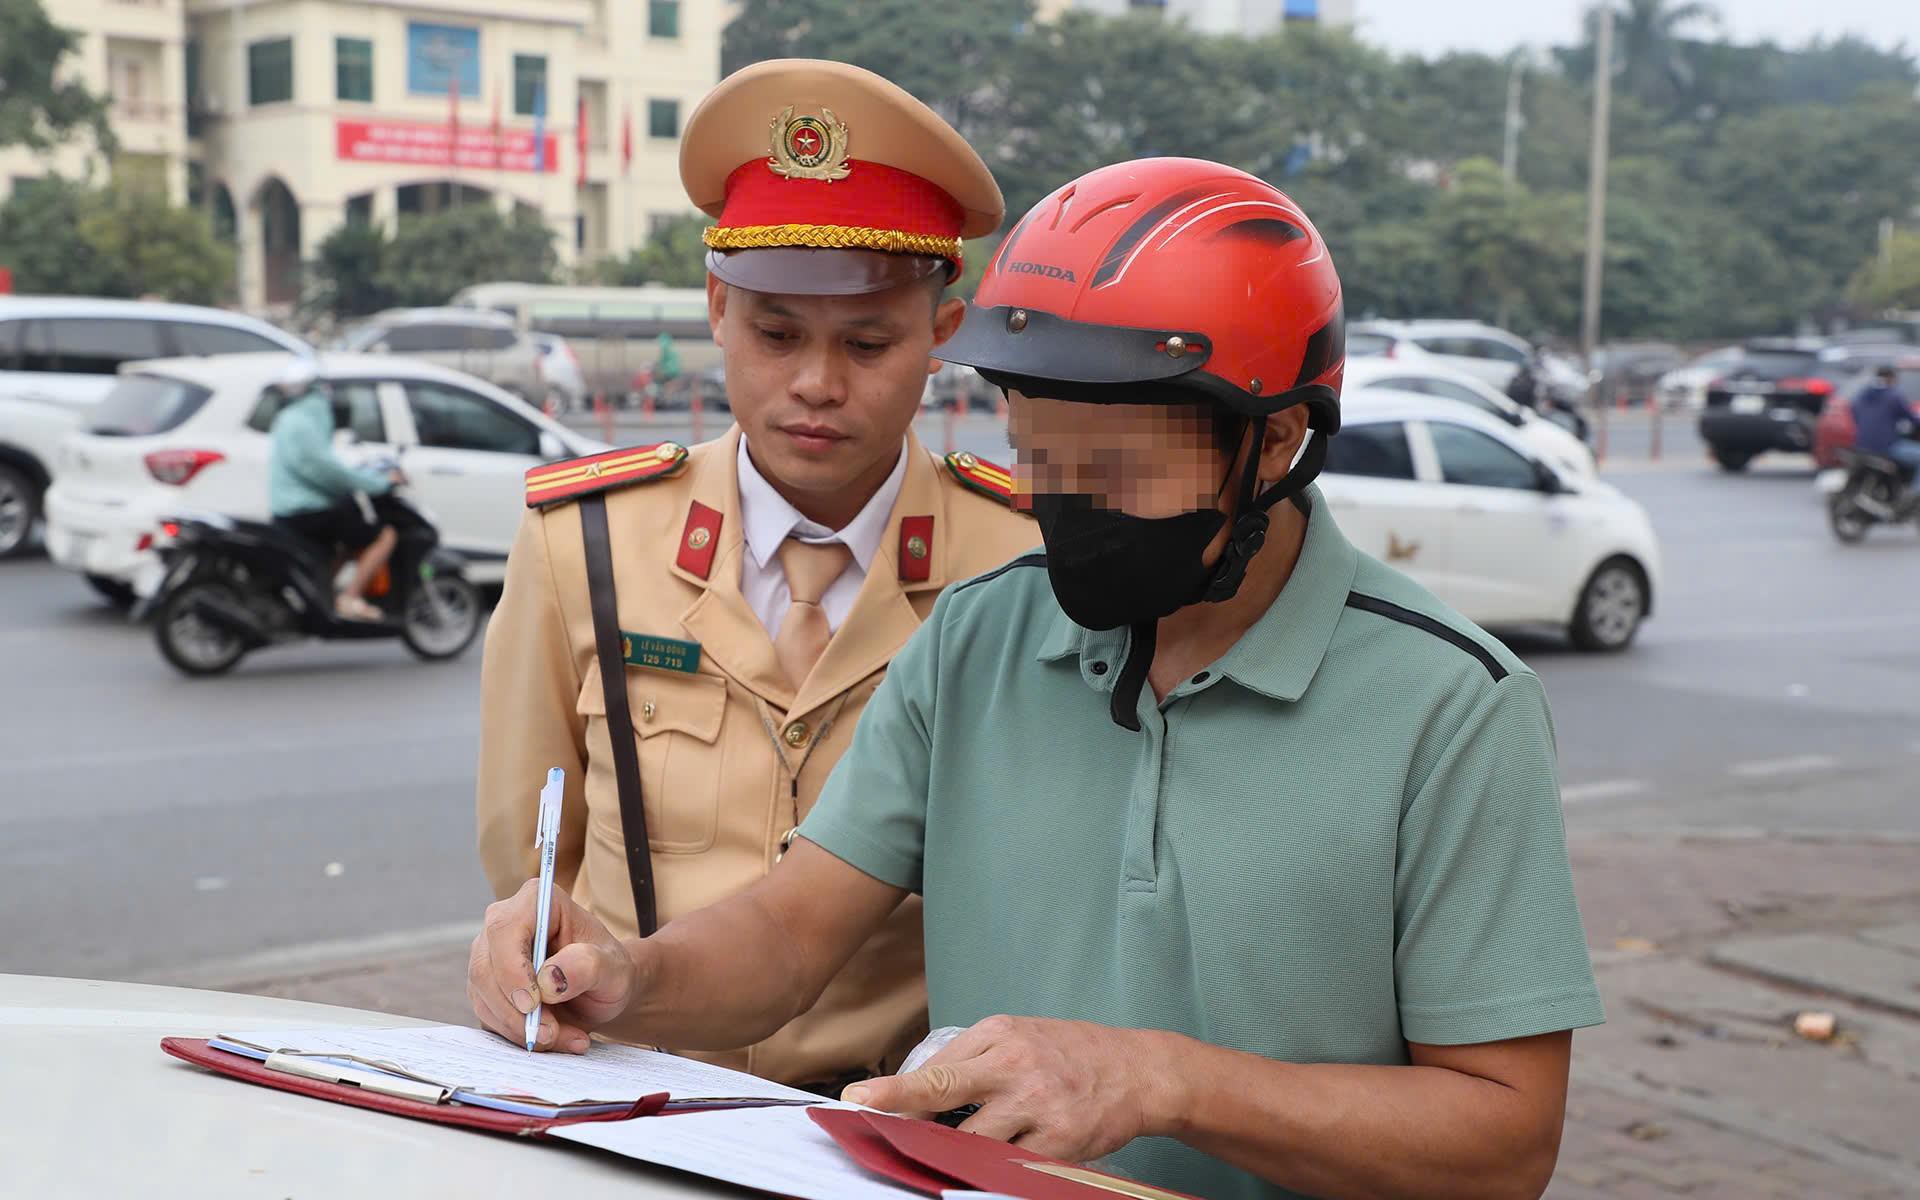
x: 1241, y: 853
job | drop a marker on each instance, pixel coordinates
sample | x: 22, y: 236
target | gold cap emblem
x: 698, y: 538
x: 808, y: 147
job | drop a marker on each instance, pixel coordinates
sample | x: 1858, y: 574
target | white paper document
x: 477, y: 1061
x: 778, y: 1150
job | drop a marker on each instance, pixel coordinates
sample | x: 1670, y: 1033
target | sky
x: 1428, y: 27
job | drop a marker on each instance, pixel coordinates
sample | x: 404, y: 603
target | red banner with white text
x: 429, y: 143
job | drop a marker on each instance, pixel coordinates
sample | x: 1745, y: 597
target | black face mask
x: 1109, y: 569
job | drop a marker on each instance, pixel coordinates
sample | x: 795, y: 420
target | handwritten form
x: 477, y: 1061
x: 777, y: 1150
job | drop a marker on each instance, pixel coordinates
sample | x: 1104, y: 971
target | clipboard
x: 381, y: 1092
x: 936, y: 1160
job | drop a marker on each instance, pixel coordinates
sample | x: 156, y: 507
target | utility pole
x: 1597, y: 188
x: 1510, y: 153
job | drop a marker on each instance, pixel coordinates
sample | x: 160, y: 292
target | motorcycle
x: 233, y: 586
x: 1869, y: 490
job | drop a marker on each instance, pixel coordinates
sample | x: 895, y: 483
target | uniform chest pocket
x: 676, y: 719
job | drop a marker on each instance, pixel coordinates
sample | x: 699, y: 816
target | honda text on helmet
x: 1162, y: 281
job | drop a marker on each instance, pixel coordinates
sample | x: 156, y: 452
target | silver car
x: 485, y: 345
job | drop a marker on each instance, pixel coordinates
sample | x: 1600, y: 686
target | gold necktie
x: 810, y: 569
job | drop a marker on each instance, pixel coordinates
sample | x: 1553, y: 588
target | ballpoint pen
x: 546, y: 835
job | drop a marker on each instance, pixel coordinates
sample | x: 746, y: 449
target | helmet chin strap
x: 1250, y: 519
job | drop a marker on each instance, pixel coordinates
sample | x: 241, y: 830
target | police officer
x: 1241, y: 853
x: 693, y: 634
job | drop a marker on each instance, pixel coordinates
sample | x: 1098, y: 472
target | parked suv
x: 486, y: 345
x: 59, y: 356
x: 1769, y: 398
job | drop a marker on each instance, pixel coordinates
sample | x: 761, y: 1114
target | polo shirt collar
x: 767, y: 519
x: 1281, y: 652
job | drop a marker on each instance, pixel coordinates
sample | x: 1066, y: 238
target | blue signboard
x: 439, y: 54
x: 1303, y: 10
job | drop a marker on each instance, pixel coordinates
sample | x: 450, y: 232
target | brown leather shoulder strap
x: 613, y: 678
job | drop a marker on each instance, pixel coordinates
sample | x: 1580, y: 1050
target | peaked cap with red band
x: 827, y: 179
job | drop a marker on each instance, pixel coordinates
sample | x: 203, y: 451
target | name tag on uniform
x: 662, y: 654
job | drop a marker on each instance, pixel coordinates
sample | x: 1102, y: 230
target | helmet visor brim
x: 800, y: 271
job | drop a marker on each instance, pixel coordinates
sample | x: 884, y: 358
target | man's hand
x: 1065, y: 1089
x: 587, y: 980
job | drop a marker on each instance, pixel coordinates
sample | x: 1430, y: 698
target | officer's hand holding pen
x: 587, y: 980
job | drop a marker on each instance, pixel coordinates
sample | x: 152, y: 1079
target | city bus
x: 613, y: 331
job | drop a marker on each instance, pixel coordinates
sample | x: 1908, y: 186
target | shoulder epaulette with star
x: 556, y: 483
x: 976, y: 473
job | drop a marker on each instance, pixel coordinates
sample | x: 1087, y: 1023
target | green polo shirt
x: 1343, y: 836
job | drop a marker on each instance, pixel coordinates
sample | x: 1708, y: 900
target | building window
x: 663, y: 18
x: 353, y: 69
x: 437, y: 55
x: 196, y: 103
x: 663, y: 118
x: 529, y: 81
x: 270, y: 71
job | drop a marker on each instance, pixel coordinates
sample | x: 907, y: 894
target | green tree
x: 121, y: 240
x: 40, y: 240
x: 1094, y: 91
x: 948, y: 55
x: 163, y: 250
x: 38, y: 109
x: 1817, y: 180
x: 1891, y: 278
x: 674, y: 256
x: 433, y: 256
x: 344, y: 277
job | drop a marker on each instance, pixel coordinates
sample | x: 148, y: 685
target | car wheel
x: 19, y: 509
x: 1732, y: 461
x: 113, y: 591
x: 1610, y: 608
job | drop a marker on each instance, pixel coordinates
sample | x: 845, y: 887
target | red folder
x: 933, y: 1159
x: 197, y: 1052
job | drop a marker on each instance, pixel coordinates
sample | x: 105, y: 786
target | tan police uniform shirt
x: 723, y: 749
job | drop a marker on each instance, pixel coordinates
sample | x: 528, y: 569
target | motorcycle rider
x: 312, y: 492
x: 1884, y: 420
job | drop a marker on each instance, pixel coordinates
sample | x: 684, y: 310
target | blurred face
x: 1145, y: 460
x: 825, y: 387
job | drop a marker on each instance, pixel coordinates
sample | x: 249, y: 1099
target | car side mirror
x: 551, y: 447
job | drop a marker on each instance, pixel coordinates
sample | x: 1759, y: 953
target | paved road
x: 149, y: 822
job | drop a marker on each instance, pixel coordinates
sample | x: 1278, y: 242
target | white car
x: 1481, y: 350
x: 1427, y: 377
x: 66, y: 1044
x: 1686, y: 387
x: 1459, y: 503
x: 192, y: 434
x: 58, y: 357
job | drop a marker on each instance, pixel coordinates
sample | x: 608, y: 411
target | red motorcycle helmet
x: 1159, y: 271
x: 1170, y: 280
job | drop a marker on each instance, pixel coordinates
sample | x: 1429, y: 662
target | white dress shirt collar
x: 767, y: 519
